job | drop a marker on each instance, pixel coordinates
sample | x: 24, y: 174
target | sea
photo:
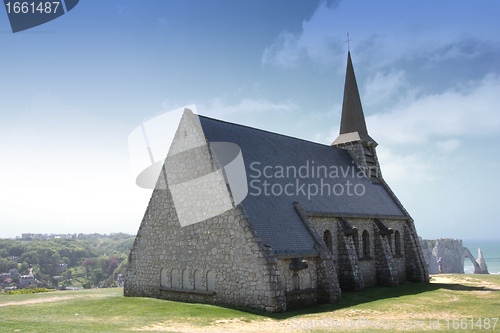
x: 491, y: 254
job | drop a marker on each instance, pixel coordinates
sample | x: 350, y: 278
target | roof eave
x: 354, y: 137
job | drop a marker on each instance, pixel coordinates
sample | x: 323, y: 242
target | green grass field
x: 106, y: 310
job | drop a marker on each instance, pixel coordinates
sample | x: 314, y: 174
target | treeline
x: 104, y: 257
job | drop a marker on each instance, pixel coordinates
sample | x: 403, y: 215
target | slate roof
x: 274, y: 217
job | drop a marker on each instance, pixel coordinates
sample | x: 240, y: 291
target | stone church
x: 312, y: 220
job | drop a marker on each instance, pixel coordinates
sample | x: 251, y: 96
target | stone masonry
x: 219, y: 260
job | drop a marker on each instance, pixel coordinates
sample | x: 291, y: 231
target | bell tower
x: 353, y: 135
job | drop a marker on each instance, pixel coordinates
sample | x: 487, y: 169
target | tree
x: 96, y: 277
x: 16, y: 250
x: 89, y: 265
x: 113, y: 264
x: 11, y: 265
x: 123, y: 266
x: 55, y: 258
x: 110, y: 281
x: 103, y: 264
x: 6, y: 265
x: 24, y: 269
x: 30, y: 258
x: 3, y: 265
x: 67, y: 274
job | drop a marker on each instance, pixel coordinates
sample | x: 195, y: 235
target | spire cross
x: 347, y: 41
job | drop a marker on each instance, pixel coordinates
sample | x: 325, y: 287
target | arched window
x: 327, y: 238
x: 197, y: 280
x: 366, y: 243
x: 175, y: 279
x: 295, y: 281
x: 185, y: 279
x: 210, y: 281
x: 163, y: 278
x: 283, y: 283
x: 306, y: 283
x: 397, y: 238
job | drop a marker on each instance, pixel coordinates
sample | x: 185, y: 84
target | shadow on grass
x: 368, y: 295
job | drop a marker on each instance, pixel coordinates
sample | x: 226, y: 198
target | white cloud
x: 314, y: 42
x: 466, y: 111
x: 404, y: 36
x: 217, y: 108
x: 285, y: 52
x: 382, y: 87
x: 448, y: 146
x: 409, y: 168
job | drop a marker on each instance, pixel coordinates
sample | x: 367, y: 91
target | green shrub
x: 28, y: 291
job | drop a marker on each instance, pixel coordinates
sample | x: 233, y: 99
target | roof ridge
x: 261, y: 130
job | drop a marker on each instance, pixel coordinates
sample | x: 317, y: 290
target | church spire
x: 352, y: 125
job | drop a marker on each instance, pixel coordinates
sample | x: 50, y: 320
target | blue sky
x: 73, y: 89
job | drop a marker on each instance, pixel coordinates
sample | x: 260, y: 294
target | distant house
x: 26, y: 280
x: 120, y: 280
x: 13, y: 272
x: 4, y: 276
x: 61, y: 267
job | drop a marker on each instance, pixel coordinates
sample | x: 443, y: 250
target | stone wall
x: 299, y: 287
x: 307, y: 278
x: 328, y: 286
x: 414, y: 265
x: 350, y: 276
x: 384, y: 262
x: 322, y: 224
x: 396, y: 244
x: 223, y: 246
x: 416, y: 269
x: 219, y: 260
x: 367, y: 264
x: 361, y: 154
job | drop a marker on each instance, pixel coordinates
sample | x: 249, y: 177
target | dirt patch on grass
x: 40, y: 300
x: 441, y: 279
x: 465, y: 280
x: 325, y: 321
x: 223, y: 326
